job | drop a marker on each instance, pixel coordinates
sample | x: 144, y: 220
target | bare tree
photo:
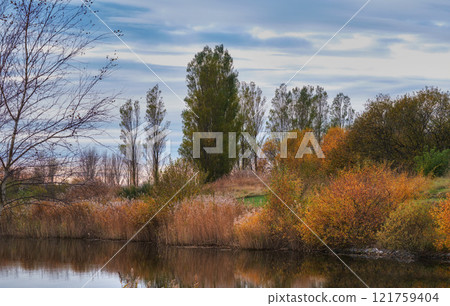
x: 280, y: 115
x: 342, y: 113
x: 130, y: 123
x: 53, y: 167
x: 112, y: 167
x: 252, y: 111
x: 116, y: 169
x: 321, y: 108
x: 47, y: 97
x: 156, y: 130
x: 89, y: 164
x: 105, y: 168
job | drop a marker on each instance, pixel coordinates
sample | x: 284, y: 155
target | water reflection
x: 70, y: 263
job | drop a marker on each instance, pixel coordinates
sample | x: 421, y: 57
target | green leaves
x: 212, y: 106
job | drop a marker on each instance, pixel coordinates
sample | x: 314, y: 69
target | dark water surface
x: 70, y: 263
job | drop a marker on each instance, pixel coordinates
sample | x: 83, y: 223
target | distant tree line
x: 218, y: 102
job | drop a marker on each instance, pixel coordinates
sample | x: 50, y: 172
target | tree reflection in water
x: 144, y: 265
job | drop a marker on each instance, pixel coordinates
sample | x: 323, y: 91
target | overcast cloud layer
x: 390, y: 47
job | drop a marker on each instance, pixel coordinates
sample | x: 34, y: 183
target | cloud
x: 390, y: 47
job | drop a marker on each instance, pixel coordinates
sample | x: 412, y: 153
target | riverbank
x: 370, y: 253
x: 370, y: 208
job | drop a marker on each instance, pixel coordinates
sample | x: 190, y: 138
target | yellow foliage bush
x: 287, y: 190
x: 409, y: 227
x: 441, y: 216
x: 335, y: 148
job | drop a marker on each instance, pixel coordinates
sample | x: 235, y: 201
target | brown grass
x: 252, y: 231
x: 238, y: 184
x: 87, y: 219
x: 205, y: 220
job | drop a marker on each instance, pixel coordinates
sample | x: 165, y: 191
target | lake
x: 71, y: 263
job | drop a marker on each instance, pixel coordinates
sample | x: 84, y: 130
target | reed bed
x: 203, y: 221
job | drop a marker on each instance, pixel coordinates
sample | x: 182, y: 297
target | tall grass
x: 204, y: 220
x: 251, y: 231
x: 87, y: 219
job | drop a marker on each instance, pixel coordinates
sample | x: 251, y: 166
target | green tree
x: 303, y: 107
x: 398, y: 130
x: 156, y: 129
x: 213, y: 106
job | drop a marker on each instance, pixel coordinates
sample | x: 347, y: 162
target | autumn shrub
x: 338, y: 154
x: 203, y: 220
x: 287, y: 195
x: 251, y: 230
x: 354, y: 206
x: 410, y: 227
x: 179, y: 180
x: 308, y: 167
x: 441, y: 216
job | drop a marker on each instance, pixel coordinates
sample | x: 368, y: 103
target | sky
x: 391, y: 47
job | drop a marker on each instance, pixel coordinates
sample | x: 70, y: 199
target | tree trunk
x: 3, y: 193
x: 155, y: 174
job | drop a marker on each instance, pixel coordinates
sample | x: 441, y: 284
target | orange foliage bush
x: 205, y: 220
x: 351, y: 210
x: 336, y: 151
x: 441, y: 216
x: 308, y: 166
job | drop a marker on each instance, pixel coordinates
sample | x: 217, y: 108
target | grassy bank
x: 371, y: 206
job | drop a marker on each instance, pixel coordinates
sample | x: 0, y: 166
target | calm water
x: 70, y: 263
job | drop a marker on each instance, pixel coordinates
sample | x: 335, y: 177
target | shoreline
x: 371, y: 253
